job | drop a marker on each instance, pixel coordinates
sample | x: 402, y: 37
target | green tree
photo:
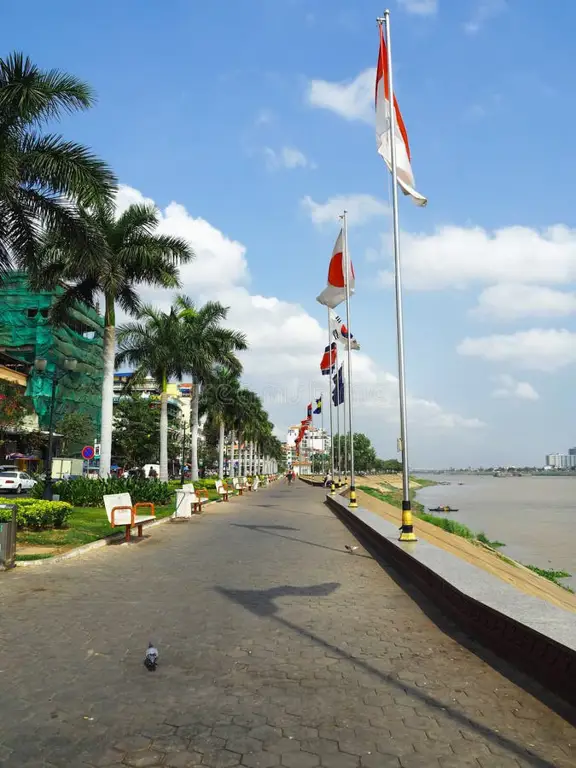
x: 220, y: 402
x: 136, y: 436
x: 207, y: 344
x: 14, y: 407
x: 364, y: 453
x: 157, y: 346
x: 126, y: 252
x: 77, y: 430
x: 42, y: 176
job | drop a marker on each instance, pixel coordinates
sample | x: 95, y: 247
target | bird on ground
x: 350, y: 549
x: 151, y: 658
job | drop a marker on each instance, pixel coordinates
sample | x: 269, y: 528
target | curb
x: 98, y: 544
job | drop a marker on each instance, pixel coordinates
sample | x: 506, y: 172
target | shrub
x: 88, y: 492
x: 37, y: 513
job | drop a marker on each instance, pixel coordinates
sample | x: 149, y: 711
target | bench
x: 255, y: 483
x: 222, y: 489
x: 239, y: 484
x: 121, y: 511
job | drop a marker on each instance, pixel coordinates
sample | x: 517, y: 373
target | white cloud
x: 287, y: 157
x: 419, y: 7
x: 286, y: 343
x: 537, y: 349
x: 458, y: 257
x: 508, y: 387
x: 219, y: 261
x: 361, y: 208
x: 485, y: 11
x: 264, y: 117
x: 513, y: 301
x: 352, y: 99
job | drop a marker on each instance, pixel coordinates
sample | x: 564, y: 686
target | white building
x: 315, y: 440
x: 561, y: 460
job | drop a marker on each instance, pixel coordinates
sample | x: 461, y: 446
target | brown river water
x: 534, y: 516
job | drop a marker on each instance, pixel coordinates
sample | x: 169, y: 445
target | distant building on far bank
x: 562, y: 460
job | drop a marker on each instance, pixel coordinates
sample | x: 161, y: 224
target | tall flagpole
x: 345, y: 428
x: 337, y: 390
x: 407, y: 529
x: 332, y: 486
x: 322, y: 443
x: 347, y: 273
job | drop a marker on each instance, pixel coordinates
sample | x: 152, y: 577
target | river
x: 534, y: 516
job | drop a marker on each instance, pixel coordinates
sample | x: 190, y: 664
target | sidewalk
x: 277, y: 647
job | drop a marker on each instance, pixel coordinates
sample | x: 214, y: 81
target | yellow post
x: 332, y: 488
x: 353, y: 502
x: 407, y: 529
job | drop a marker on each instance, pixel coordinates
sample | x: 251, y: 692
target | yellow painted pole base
x: 407, y: 535
x: 353, y: 501
x: 407, y: 528
x: 332, y: 489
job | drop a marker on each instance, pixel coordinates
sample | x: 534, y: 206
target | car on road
x: 16, y: 482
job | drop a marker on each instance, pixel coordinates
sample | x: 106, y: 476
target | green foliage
x: 77, y: 430
x: 551, y: 575
x: 14, y: 405
x: 364, y: 453
x: 485, y: 540
x: 42, y: 176
x: 387, y: 465
x: 209, y: 483
x: 136, y: 436
x: 88, y: 492
x: 37, y: 514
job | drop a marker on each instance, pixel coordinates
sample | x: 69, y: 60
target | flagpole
x: 345, y: 428
x: 407, y: 529
x: 322, y: 443
x: 337, y: 390
x: 332, y: 486
x: 347, y: 273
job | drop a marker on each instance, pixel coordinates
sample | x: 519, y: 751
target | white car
x: 16, y: 481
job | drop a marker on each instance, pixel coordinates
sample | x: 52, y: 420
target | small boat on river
x: 442, y: 509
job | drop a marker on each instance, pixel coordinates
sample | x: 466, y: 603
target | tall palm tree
x: 154, y: 344
x: 42, y: 176
x: 208, y: 344
x: 125, y: 252
x: 219, y: 400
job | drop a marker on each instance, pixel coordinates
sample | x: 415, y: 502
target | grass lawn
x: 86, y: 524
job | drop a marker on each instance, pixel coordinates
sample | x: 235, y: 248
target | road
x: 277, y: 648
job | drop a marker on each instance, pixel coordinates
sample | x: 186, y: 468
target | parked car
x: 16, y: 481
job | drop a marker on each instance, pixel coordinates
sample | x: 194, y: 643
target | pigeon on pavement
x: 350, y: 549
x: 151, y: 658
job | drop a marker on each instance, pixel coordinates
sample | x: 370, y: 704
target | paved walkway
x: 277, y: 648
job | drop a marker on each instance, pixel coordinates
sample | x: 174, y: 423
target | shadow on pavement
x: 271, y: 530
x: 261, y: 603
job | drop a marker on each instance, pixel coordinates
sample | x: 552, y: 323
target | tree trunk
x: 221, y: 451
x: 232, y: 471
x: 164, y: 431
x: 107, y: 412
x: 194, y: 430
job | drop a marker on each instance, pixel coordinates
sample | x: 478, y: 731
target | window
x: 8, y: 474
x: 32, y: 312
x: 24, y: 476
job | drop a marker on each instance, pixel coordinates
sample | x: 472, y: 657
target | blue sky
x: 253, y: 116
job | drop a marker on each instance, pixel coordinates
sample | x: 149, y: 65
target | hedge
x: 89, y: 492
x: 37, y: 513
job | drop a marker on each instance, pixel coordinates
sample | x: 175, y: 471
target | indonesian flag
x: 335, y: 291
x: 403, y: 166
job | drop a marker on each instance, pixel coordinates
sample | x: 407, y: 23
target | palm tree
x: 219, y: 400
x: 125, y: 252
x: 207, y: 344
x: 42, y: 176
x: 154, y: 344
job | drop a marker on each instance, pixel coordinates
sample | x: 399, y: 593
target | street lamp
x: 41, y: 364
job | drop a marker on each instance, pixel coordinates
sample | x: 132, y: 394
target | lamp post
x: 54, y: 376
x: 183, y: 453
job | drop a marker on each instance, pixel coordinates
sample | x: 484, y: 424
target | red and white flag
x: 335, y: 291
x: 403, y: 165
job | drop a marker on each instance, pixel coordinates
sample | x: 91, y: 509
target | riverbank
x: 474, y: 552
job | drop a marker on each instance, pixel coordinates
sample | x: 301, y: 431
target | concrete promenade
x: 277, y: 648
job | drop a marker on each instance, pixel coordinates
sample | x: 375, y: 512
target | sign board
x: 88, y: 452
x: 96, y: 450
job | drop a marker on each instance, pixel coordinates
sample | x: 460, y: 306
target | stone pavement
x: 277, y: 648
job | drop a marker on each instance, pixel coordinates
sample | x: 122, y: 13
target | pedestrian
x: 327, y: 480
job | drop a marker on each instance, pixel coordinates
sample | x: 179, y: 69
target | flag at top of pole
x: 335, y: 291
x: 404, y: 167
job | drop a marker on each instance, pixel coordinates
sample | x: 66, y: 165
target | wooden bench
x: 222, y: 489
x: 121, y: 511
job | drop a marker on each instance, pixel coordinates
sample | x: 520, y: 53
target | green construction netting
x: 26, y: 334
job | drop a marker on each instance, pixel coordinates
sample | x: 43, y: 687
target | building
x: 26, y: 335
x: 315, y: 441
x: 562, y: 460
